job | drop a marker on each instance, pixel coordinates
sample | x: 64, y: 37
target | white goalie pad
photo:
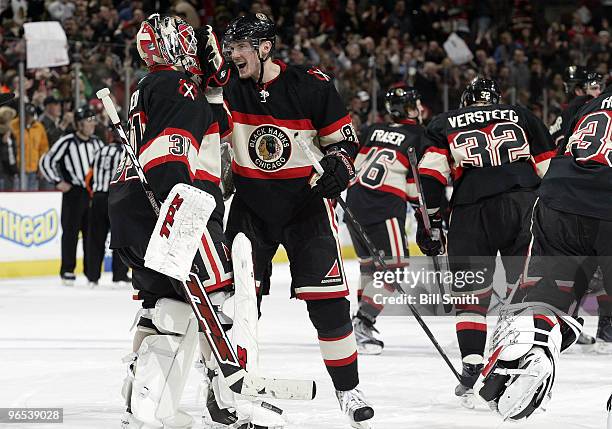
x: 520, y: 372
x: 243, y: 336
x: 162, y: 365
x: 178, y: 231
x: 244, y: 330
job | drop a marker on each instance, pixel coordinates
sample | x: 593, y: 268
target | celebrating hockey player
x: 177, y: 141
x: 581, y: 85
x: 572, y: 222
x: 279, y: 200
x: 495, y: 155
x: 377, y: 197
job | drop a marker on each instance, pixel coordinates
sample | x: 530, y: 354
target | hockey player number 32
x: 494, y: 145
x: 375, y: 167
x: 592, y: 139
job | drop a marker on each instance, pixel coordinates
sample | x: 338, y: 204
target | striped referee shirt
x: 105, y: 163
x: 69, y: 159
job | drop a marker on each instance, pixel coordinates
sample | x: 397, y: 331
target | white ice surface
x: 62, y: 347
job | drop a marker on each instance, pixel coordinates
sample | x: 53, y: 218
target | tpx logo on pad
x: 169, y: 221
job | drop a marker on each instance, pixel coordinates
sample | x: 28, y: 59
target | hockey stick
x: 377, y: 256
x: 448, y: 307
x: 238, y: 379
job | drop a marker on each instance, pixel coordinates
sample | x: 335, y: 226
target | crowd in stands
x: 524, y: 45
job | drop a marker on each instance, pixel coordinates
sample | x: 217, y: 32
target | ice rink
x: 62, y: 347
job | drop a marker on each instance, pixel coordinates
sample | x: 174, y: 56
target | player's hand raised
x: 209, y: 54
x: 338, y: 171
x: 430, y: 244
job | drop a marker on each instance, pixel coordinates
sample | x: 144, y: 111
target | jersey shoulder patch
x: 311, y: 74
x: 173, y: 84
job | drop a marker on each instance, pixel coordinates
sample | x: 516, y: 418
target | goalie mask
x: 168, y: 40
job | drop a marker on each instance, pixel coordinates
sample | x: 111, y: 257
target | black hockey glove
x: 338, y: 171
x: 434, y: 244
x: 209, y: 54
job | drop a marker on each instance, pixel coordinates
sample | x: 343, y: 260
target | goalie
x: 572, y: 222
x: 175, y: 136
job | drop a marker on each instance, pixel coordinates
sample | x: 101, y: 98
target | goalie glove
x: 338, y: 171
x: 211, y: 61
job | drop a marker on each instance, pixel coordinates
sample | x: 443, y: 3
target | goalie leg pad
x: 525, y: 346
x: 178, y: 231
x: 244, y: 330
x: 243, y: 336
x: 162, y: 365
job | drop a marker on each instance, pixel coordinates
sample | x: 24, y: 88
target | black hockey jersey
x: 270, y: 170
x: 383, y: 181
x: 172, y: 130
x: 580, y: 180
x: 484, y: 151
x: 560, y: 127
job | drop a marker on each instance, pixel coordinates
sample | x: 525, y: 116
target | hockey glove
x: 209, y: 54
x: 434, y: 244
x: 338, y: 171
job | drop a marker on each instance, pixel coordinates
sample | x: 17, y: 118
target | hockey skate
x: 604, y: 335
x: 585, y: 339
x: 221, y: 417
x: 355, y: 406
x: 68, y: 279
x: 367, y: 343
x: 465, y: 390
x: 181, y: 420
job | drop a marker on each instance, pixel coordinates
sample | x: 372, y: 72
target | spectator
x: 8, y: 156
x: 36, y: 144
x: 51, y: 119
x: 61, y: 10
x: 519, y: 71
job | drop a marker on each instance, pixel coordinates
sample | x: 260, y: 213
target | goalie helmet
x: 168, y: 40
x: 254, y: 28
x: 399, y: 100
x: 480, y: 90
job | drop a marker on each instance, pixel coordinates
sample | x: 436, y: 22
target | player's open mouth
x: 241, y: 66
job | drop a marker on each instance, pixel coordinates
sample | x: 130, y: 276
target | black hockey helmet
x: 83, y: 113
x: 400, y: 99
x: 579, y: 76
x: 253, y: 27
x: 480, y: 90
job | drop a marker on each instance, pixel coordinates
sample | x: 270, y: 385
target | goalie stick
x: 448, y: 307
x: 238, y: 379
x: 377, y: 256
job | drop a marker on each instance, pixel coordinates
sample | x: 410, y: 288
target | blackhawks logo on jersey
x: 269, y: 147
